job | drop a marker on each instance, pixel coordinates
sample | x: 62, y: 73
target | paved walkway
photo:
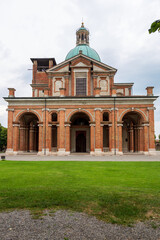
x: 84, y: 157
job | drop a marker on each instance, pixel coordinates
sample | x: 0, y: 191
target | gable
x: 102, y: 68
x: 81, y: 60
x: 80, y: 64
x: 63, y: 68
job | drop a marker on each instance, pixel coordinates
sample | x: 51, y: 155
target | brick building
x: 77, y: 107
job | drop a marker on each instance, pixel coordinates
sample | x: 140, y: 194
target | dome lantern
x: 82, y: 35
x: 82, y: 45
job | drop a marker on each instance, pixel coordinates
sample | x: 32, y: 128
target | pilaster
x: 16, y: 137
x: 61, y: 149
x: 92, y: 138
x: 67, y: 138
x: 10, y: 132
x: 98, y: 142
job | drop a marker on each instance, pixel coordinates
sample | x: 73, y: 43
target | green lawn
x: 121, y: 192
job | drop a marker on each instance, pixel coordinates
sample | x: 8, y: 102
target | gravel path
x: 67, y: 225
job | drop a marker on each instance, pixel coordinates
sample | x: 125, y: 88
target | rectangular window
x: 80, y: 86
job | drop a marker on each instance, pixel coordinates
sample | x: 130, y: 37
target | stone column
x: 136, y: 139
x: 31, y: 139
x: 114, y: 131
x: 61, y: 150
x: 26, y: 139
x: 146, y: 138
x: 16, y: 138
x: 98, y: 142
x: 67, y: 138
x: 131, y: 140
x: 22, y: 139
x: 45, y: 131
x: 10, y: 132
x: 120, y: 125
x: 141, y: 139
x: 92, y: 138
x: 40, y: 140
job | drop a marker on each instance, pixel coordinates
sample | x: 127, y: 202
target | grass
x: 117, y: 192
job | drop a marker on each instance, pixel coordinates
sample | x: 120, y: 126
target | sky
x: 118, y: 32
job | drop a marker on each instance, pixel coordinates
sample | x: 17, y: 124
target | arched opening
x: 80, y: 133
x: 132, y: 132
x: 28, y: 133
x: 54, y: 132
x: 54, y: 117
x: 105, y: 132
x: 105, y: 116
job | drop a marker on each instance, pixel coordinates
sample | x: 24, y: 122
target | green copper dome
x: 86, y: 50
x: 82, y: 42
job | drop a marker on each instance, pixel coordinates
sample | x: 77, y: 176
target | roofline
x: 85, y: 97
x: 118, y: 84
x: 84, y: 56
x: 33, y: 59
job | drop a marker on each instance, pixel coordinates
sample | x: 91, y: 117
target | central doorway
x: 80, y: 141
x: 80, y: 133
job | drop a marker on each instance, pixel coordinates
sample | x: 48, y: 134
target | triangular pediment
x: 98, y: 66
x: 59, y: 68
x: 80, y: 64
x: 99, y: 69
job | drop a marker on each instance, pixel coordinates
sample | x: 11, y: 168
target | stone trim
x: 98, y: 109
x: 16, y: 125
x: 10, y: 109
x: 43, y: 109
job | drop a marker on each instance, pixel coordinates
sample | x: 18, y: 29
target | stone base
x: 146, y: 153
x: 113, y: 150
x: 92, y: 153
x: 67, y: 153
x: 44, y: 152
x: 15, y: 152
x: 9, y: 151
x: 119, y: 153
x: 152, y: 151
x: 61, y: 152
x: 40, y: 153
x: 98, y: 152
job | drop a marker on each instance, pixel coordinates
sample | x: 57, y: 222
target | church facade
x: 77, y: 107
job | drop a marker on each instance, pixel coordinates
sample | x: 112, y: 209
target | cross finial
x: 82, y: 23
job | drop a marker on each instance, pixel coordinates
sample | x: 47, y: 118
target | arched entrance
x: 28, y: 133
x: 80, y: 133
x: 132, y: 132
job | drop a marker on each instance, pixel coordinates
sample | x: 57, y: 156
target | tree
x: 3, y: 138
x: 155, y: 26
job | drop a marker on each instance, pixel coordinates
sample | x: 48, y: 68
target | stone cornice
x: 94, y: 101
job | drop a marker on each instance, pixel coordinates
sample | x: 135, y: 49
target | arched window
x: 82, y: 36
x: 54, y: 117
x: 105, y: 116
